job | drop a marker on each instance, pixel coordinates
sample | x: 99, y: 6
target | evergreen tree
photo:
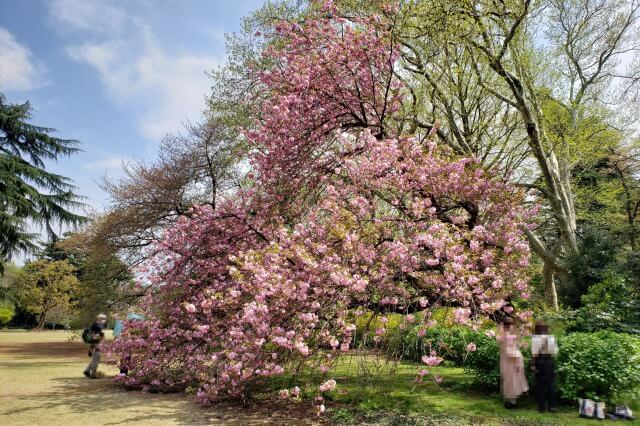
x: 28, y: 192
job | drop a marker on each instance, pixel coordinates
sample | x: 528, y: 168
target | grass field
x: 373, y: 390
x: 41, y: 383
x: 452, y: 402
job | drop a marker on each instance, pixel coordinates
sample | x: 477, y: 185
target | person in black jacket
x: 97, y: 336
x: 544, y: 349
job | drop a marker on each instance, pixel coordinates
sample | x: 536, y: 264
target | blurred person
x: 513, y: 382
x: 97, y: 336
x: 543, y: 350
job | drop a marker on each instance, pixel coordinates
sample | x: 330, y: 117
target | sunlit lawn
x: 41, y: 383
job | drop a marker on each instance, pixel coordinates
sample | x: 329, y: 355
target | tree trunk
x: 41, y: 320
x: 550, y: 293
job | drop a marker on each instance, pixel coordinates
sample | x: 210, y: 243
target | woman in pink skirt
x: 512, y: 379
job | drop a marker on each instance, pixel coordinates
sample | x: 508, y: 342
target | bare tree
x: 198, y: 168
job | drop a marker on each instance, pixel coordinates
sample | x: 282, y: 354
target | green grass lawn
x: 42, y: 384
x: 372, y: 389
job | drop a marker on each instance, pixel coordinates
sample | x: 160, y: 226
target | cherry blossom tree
x: 344, y: 215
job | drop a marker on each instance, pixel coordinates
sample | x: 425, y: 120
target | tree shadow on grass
x: 47, y: 349
x: 97, y: 398
x: 101, y: 401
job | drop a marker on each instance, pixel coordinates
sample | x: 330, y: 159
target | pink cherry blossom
x: 431, y: 360
x: 327, y: 386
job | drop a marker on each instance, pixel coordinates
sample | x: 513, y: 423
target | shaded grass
x: 371, y: 390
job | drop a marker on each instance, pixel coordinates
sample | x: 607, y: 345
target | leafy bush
x: 631, y: 268
x: 449, y: 342
x: 484, y: 363
x: 7, y: 311
x: 367, y: 323
x: 599, y: 364
x: 613, y: 304
x: 589, y: 364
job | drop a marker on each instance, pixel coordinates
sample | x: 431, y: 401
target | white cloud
x: 163, y: 87
x: 88, y: 15
x: 113, y: 164
x: 169, y: 88
x: 18, y: 70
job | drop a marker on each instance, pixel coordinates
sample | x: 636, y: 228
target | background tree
x: 8, y: 297
x: 625, y: 164
x: 7, y: 283
x: 104, y: 281
x: 45, y: 286
x: 549, y: 62
x: 29, y: 193
x: 197, y: 168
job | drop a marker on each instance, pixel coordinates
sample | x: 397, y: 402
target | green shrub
x: 613, y: 304
x: 589, y: 364
x: 449, y: 342
x: 7, y: 311
x: 484, y: 363
x: 366, y: 325
x: 588, y: 266
x: 601, y: 364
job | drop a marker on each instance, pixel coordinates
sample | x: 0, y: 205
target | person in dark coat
x: 97, y: 336
x: 543, y: 350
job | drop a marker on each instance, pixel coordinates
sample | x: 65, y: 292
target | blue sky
x: 115, y: 74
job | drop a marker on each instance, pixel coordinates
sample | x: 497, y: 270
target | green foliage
x: 484, y: 363
x: 47, y: 288
x: 601, y: 364
x: 367, y: 323
x: 105, y: 282
x: 399, y: 337
x: 631, y: 268
x: 597, y: 254
x: 7, y: 311
x: 29, y: 193
x: 613, y: 304
x: 7, y: 283
x: 450, y: 343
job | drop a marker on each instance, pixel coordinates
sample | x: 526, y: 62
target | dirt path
x: 41, y: 383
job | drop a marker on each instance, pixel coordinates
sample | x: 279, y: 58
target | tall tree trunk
x: 550, y: 293
x: 41, y: 320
